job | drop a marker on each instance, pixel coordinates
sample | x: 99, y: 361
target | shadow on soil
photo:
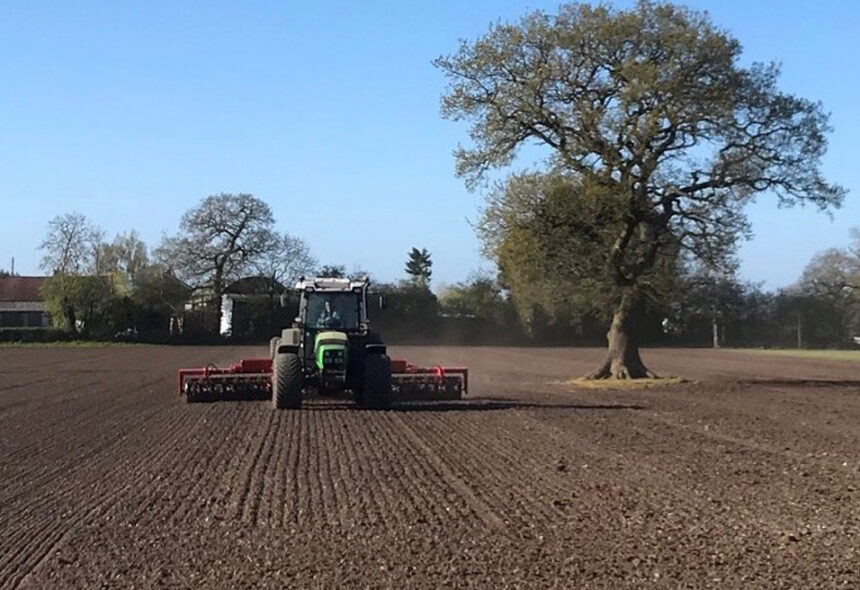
x: 325, y: 404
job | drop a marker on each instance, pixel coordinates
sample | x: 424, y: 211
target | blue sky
x: 131, y: 112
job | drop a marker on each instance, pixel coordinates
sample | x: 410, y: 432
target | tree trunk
x: 799, y: 331
x: 218, y: 291
x: 71, y: 319
x: 623, y: 360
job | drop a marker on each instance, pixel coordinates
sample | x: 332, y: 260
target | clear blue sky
x: 131, y: 112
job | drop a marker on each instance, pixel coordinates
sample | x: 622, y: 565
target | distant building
x: 21, y: 303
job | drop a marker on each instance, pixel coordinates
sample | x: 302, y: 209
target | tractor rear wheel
x: 287, y: 381
x: 273, y: 346
x: 376, y: 390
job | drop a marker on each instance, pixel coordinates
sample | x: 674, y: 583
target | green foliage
x: 554, y: 240
x: 480, y: 297
x: 419, y: 266
x: 79, y: 304
x: 125, y: 257
x: 411, y: 314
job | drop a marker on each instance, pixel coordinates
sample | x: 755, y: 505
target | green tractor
x: 330, y: 348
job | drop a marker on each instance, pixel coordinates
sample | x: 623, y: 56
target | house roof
x: 21, y: 288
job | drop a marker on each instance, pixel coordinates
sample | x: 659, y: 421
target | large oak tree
x: 219, y: 240
x: 657, y: 137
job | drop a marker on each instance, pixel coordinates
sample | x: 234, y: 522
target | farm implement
x: 330, y: 350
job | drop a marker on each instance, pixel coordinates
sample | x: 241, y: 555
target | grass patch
x: 833, y: 355
x: 624, y: 383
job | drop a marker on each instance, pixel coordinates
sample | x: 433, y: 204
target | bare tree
x: 71, y: 245
x: 834, y: 276
x: 221, y: 238
x: 286, y: 259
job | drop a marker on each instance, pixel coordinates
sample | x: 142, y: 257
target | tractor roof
x: 330, y: 284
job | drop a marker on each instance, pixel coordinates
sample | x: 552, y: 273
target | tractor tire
x: 273, y: 346
x: 287, y: 381
x: 376, y: 386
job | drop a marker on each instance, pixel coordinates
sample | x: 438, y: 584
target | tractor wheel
x: 273, y: 346
x: 287, y: 381
x: 376, y: 390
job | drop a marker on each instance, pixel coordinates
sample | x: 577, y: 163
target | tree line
x: 99, y: 287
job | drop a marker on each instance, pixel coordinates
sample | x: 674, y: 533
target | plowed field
x: 746, y: 477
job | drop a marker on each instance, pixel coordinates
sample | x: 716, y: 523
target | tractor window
x: 333, y: 311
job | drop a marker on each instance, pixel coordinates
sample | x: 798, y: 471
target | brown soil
x: 746, y: 478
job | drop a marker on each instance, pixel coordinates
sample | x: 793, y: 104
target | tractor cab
x: 332, y: 304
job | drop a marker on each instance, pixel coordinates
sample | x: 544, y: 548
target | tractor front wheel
x: 287, y: 381
x: 376, y: 390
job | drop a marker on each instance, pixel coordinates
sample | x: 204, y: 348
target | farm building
x: 21, y: 303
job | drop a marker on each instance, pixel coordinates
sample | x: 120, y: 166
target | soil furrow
x: 289, y: 516
x: 41, y: 545
x: 256, y: 485
x: 210, y: 456
x: 490, y: 518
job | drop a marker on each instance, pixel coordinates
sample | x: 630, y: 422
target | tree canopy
x: 71, y: 244
x: 219, y: 239
x: 286, y: 260
x: 126, y: 256
x: 655, y: 136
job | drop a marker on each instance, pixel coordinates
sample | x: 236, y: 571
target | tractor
x: 329, y: 349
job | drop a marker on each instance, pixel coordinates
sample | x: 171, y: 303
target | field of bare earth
x: 745, y: 476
